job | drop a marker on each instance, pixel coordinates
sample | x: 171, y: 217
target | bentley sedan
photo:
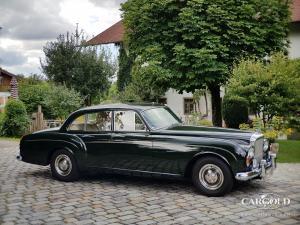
x: 148, y: 140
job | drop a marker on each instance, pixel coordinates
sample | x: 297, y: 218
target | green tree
x: 85, y: 69
x: 195, y: 43
x: 113, y: 95
x: 124, y: 71
x: 15, y: 121
x: 31, y: 79
x: 272, y: 89
x: 61, y: 57
x: 144, y: 85
x: 33, y: 94
x: 92, y: 73
x: 62, y: 101
x: 235, y: 111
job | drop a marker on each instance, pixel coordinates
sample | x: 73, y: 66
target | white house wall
x: 294, y: 38
x: 176, y: 102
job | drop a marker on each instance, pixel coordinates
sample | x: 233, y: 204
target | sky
x: 28, y: 25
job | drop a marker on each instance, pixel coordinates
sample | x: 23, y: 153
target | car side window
x: 92, y: 122
x: 128, y: 120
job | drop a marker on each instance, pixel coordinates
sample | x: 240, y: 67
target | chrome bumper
x: 19, y: 157
x: 266, y: 168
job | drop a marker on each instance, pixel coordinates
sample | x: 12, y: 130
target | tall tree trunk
x: 216, y: 105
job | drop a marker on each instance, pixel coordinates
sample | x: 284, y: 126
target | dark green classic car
x: 148, y: 140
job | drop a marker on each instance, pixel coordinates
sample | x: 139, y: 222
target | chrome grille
x: 258, y: 149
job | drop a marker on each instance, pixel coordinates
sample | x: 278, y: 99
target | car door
x: 95, y: 129
x: 131, y: 142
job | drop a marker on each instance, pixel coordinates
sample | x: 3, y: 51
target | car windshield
x: 160, y: 117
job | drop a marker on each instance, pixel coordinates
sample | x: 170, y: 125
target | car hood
x: 209, y: 132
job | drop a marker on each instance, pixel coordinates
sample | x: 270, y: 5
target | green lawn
x: 289, y: 151
x: 9, y: 139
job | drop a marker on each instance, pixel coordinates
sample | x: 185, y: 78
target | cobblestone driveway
x: 28, y: 195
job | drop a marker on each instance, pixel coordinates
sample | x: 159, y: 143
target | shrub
x: 62, y: 101
x: 205, y: 122
x: 15, y: 121
x: 33, y: 95
x: 1, y: 120
x: 196, y: 119
x: 271, y: 130
x: 271, y: 89
x: 235, y: 111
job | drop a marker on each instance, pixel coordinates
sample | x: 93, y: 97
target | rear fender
x: 38, y: 148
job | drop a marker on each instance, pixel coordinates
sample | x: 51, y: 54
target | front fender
x: 234, y: 161
x: 228, y: 151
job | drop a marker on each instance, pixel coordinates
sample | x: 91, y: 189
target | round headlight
x: 250, y: 156
x: 266, y: 145
x: 251, y: 153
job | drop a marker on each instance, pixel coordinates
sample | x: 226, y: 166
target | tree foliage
x: 272, y: 89
x: 235, y: 111
x: 15, y: 121
x: 83, y: 69
x: 195, y: 43
x: 57, y: 101
x: 62, y: 101
x: 124, y: 73
x: 33, y: 93
x: 144, y: 85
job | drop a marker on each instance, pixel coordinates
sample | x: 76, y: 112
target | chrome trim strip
x: 255, y: 136
x: 142, y: 171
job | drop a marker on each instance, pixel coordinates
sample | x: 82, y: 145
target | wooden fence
x: 38, y: 122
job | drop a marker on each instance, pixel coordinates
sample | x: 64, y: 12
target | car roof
x: 134, y: 106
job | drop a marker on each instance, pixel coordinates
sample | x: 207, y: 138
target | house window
x: 188, y: 106
x: 1, y: 80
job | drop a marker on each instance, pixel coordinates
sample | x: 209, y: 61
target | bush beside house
x: 15, y: 121
x: 235, y: 111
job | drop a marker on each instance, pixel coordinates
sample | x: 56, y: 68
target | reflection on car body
x: 148, y: 140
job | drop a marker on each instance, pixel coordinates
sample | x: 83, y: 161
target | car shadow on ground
x: 141, y: 182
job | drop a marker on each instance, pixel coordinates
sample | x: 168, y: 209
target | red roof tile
x: 296, y: 11
x: 113, y: 34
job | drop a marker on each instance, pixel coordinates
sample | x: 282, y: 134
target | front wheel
x: 212, y: 177
x: 63, y: 166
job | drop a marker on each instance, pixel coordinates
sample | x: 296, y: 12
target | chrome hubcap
x: 63, y: 165
x: 211, y: 176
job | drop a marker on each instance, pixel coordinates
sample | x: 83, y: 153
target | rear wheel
x: 63, y: 166
x: 212, y: 177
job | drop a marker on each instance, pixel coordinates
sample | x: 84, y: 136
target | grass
x: 289, y: 151
x: 9, y: 139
